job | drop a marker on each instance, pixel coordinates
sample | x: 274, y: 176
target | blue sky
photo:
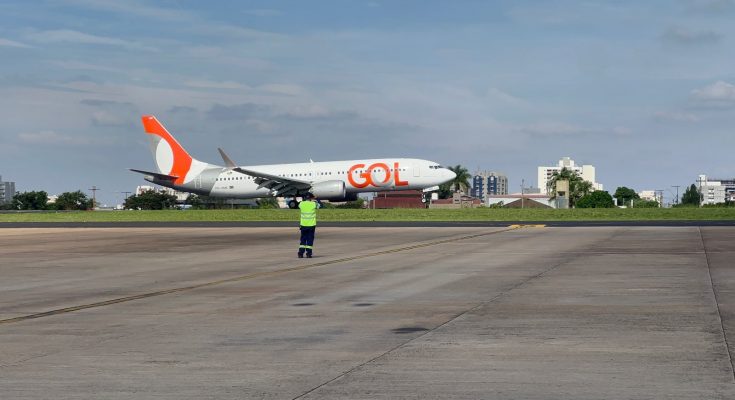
x: 642, y: 90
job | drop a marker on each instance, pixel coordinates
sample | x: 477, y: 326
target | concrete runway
x: 381, y: 312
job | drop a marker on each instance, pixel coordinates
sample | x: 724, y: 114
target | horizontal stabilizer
x: 162, y: 177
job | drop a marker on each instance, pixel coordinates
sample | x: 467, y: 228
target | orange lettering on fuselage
x: 367, y: 175
x: 399, y: 182
x: 351, y: 177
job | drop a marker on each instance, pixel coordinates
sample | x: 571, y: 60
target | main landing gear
x: 293, y: 204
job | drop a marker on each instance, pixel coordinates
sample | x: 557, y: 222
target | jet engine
x: 329, y: 190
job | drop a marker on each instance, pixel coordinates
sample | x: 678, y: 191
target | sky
x: 644, y: 91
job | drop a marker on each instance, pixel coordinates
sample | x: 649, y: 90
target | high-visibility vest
x: 308, y: 213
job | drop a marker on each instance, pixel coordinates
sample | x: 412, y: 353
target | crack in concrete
x: 717, y: 304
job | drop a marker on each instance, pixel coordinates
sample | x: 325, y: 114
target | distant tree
x: 578, y: 187
x: 499, y: 204
x: 359, y: 203
x: 691, y: 196
x: 216, y: 203
x: 445, y: 190
x: 30, y: 201
x: 462, y: 178
x: 624, y: 195
x: 645, y: 203
x: 150, y: 200
x: 73, y: 201
x: 267, y: 202
x: 195, y: 202
x: 596, y: 199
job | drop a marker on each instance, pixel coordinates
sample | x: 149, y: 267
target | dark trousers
x: 307, y: 239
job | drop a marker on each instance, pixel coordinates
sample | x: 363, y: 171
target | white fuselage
x: 358, y: 176
x: 328, y: 180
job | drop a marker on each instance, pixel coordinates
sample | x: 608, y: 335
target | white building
x: 140, y: 189
x: 180, y: 196
x: 587, y: 172
x: 7, y: 191
x: 649, y: 195
x: 488, y: 183
x: 712, y: 192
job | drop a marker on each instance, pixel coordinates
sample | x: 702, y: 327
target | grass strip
x: 476, y: 214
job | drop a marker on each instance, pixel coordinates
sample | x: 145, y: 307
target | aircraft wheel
x: 293, y: 204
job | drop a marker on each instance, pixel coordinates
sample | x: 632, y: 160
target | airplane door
x: 198, y: 182
x: 416, y: 171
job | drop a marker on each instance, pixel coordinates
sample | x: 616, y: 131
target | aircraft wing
x: 278, y: 185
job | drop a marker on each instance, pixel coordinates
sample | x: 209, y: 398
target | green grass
x: 478, y: 214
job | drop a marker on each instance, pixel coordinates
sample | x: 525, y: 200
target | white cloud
x: 263, y: 12
x: 76, y: 65
x: 11, y: 43
x: 72, y: 36
x: 555, y: 129
x: 719, y: 94
x: 107, y: 118
x: 285, y: 89
x: 236, y: 32
x: 207, y: 84
x: 505, y: 97
x: 310, y: 111
x: 133, y: 8
x: 712, y: 6
x: 683, y: 36
x: 675, y: 116
x: 49, y: 138
x: 551, y: 129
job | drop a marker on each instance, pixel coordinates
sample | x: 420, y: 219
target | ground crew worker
x: 307, y: 225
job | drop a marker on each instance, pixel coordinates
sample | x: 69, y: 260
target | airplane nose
x: 450, y: 174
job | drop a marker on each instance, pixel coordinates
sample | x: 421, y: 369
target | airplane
x: 332, y: 180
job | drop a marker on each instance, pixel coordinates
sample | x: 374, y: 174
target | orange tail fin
x: 171, y: 158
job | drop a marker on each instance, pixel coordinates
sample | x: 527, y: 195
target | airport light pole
x: 94, y: 190
x: 677, y: 194
x: 523, y: 189
x: 126, y: 195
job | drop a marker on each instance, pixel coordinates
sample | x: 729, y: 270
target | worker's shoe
x: 301, y: 255
x: 308, y: 255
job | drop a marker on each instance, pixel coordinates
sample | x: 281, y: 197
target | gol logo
x: 380, y: 170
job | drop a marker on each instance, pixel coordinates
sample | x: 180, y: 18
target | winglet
x: 226, y: 159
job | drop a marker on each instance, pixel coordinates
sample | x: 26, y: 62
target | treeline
x: 582, y: 195
x: 624, y: 196
x: 79, y: 201
x: 38, y: 200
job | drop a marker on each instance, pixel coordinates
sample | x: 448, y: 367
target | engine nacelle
x: 329, y: 190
